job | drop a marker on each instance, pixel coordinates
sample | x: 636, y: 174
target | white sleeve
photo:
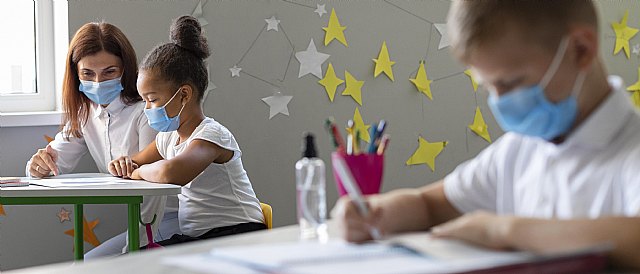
x: 473, y: 184
x: 69, y: 152
x: 631, y: 183
x: 221, y: 136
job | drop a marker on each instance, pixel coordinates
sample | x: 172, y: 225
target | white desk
x: 148, y: 261
x: 151, y: 261
x: 129, y: 193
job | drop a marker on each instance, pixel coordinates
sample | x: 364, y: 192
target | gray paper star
x: 272, y: 23
x: 198, y: 14
x: 277, y: 104
x: 444, y: 39
x: 235, y: 71
x: 311, y: 61
x: 320, y: 10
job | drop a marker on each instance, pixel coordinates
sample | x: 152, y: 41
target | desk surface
x: 132, y: 188
x: 149, y: 261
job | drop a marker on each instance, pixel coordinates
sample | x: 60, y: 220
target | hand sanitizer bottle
x: 311, y: 192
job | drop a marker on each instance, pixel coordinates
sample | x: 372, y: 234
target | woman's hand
x: 481, y: 228
x: 122, y: 167
x: 44, y: 162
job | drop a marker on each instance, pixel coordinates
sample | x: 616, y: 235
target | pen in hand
x: 354, y: 193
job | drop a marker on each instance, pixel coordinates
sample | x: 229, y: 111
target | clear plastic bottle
x: 311, y: 192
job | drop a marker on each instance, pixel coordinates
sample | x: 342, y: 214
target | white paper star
x: 272, y: 23
x: 311, y: 61
x: 210, y: 86
x: 444, y: 39
x: 320, y: 10
x: 197, y: 13
x: 277, y: 104
x: 235, y: 71
x: 636, y: 49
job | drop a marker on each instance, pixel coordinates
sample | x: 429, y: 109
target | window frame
x: 52, y: 38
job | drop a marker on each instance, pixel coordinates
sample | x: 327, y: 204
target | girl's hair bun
x: 186, y: 32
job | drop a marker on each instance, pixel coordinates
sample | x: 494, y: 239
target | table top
x: 149, y: 261
x: 128, y: 188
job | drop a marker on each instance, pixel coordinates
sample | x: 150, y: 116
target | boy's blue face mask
x: 101, y: 93
x: 528, y: 111
x: 160, y: 121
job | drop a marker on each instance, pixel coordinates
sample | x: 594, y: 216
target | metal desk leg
x: 134, y: 220
x: 78, y: 236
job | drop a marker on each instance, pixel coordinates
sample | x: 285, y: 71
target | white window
x: 35, y: 39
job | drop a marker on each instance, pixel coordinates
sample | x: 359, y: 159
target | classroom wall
x: 272, y: 146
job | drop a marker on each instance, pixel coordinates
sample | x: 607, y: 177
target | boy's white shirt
x: 109, y: 133
x: 222, y: 194
x: 592, y: 174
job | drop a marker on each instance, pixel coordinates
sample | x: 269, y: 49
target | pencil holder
x: 366, y: 169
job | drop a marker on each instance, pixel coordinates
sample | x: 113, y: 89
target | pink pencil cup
x: 366, y: 170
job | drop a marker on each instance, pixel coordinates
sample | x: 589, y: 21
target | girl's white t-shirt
x: 219, y: 196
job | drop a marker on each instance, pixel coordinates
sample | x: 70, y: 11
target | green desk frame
x: 132, y: 202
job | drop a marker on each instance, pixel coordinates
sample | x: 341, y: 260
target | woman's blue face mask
x: 528, y: 111
x: 101, y: 93
x: 160, y: 120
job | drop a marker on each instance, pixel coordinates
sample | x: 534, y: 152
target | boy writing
x: 563, y: 176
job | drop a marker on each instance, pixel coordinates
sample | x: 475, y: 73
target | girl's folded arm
x: 183, y: 168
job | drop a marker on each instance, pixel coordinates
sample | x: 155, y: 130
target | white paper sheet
x: 77, y: 182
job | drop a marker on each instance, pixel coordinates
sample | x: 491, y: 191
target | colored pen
x: 327, y: 126
x: 350, y: 135
x: 349, y: 144
x: 354, y: 193
x: 373, y: 131
x: 382, y: 125
x: 356, y: 143
x: 384, y: 142
x: 333, y: 130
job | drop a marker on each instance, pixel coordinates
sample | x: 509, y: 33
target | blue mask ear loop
x: 174, y: 95
x: 555, y: 64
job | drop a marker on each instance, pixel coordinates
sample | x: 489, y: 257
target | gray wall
x: 271, y: 147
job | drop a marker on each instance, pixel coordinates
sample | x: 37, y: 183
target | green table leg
x: 134, y: 220
x: 78, y: 236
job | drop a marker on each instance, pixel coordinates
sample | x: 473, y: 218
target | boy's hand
x: 481, y: 228
x: 122, y: 167
x: 353, y: 226
x: 44, y: 162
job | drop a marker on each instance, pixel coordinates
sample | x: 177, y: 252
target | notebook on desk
x: 13, y: 181
x: 409, y: 253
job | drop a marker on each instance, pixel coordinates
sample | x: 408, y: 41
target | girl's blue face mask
x: 101, y: 93
x: 160, y: 121
x: 528, y: 111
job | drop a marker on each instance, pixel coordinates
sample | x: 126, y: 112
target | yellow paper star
x: 479, y: 126
x: 330, y: 82
x: 87, y: 235
x: 473, y: 80
x: 353, y: 87
x: 383, y: 63
x: 636, y: 86
x: 426, y: 153
x: 334, y: 30
x: 423, y: 84
x: 360, y: 126
x: 624, y: 33
x: 2, y: 211
x: 635, y: 98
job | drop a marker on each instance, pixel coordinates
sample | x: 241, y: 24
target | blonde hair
x: 472, y: 23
